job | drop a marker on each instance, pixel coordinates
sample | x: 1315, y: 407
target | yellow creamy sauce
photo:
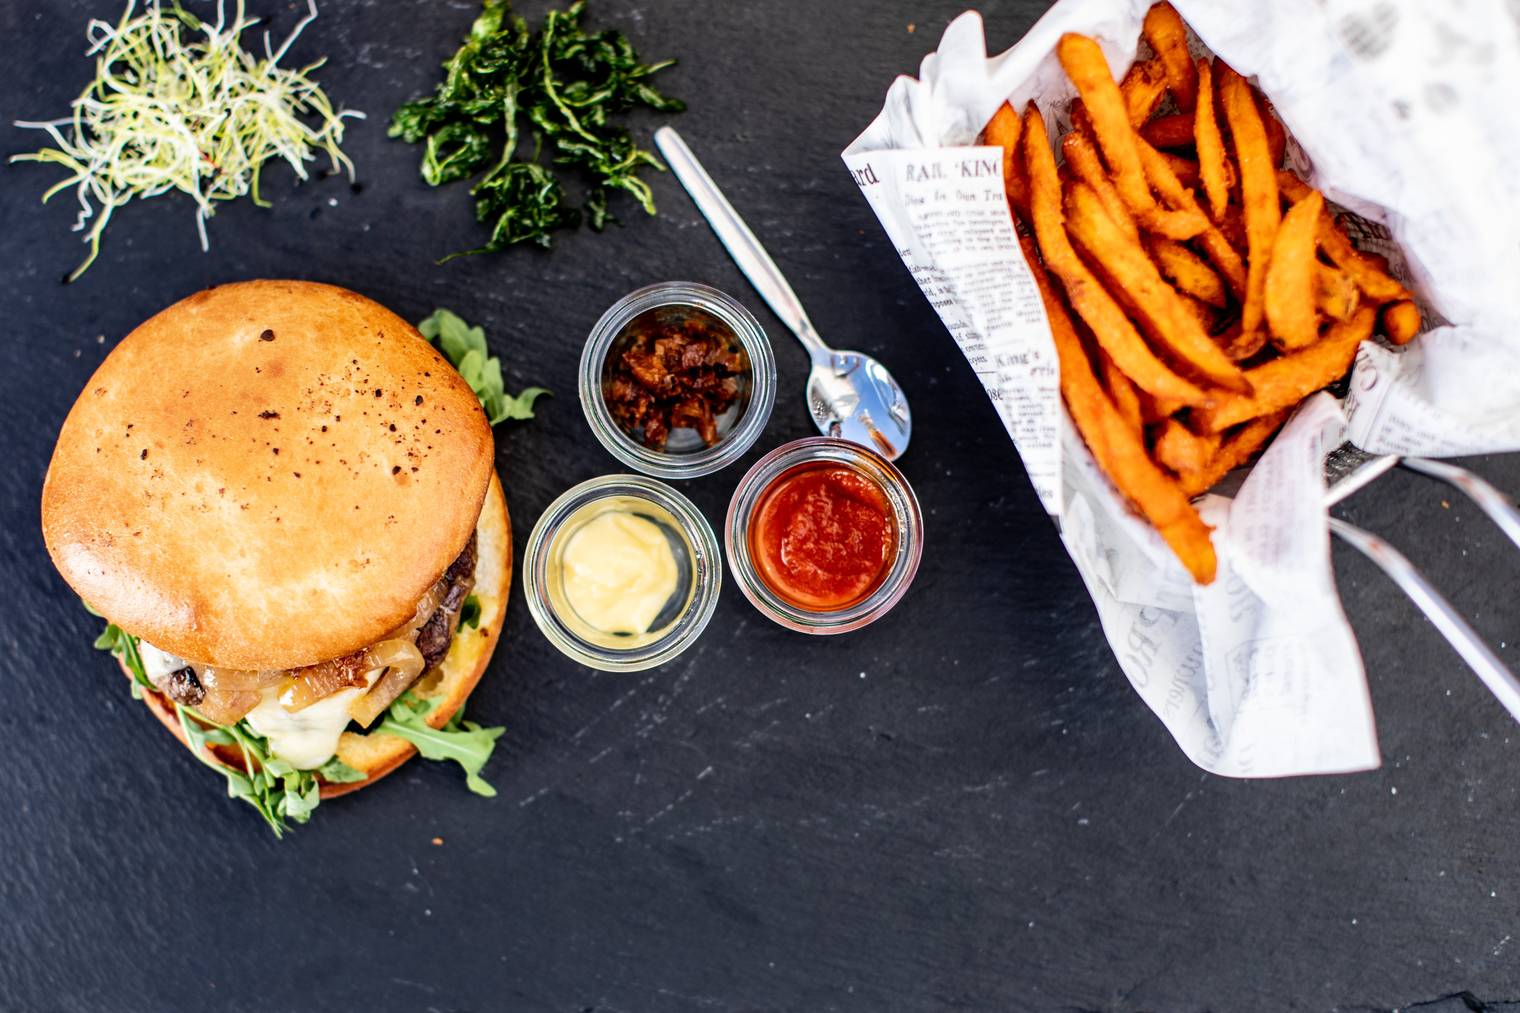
x: 618, y: 571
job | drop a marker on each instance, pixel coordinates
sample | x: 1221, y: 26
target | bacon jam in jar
x: 677, y: 380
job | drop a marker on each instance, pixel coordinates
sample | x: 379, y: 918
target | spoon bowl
x: 853, y: 397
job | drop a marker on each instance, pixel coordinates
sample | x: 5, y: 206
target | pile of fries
x: 1197, y: 290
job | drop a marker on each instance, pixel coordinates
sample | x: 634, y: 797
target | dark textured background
x: 964, y: 806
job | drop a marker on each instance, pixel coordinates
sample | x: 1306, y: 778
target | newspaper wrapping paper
x: 1401, y: 113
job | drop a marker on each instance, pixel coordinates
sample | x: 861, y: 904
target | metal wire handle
x: 1479, y: 656
x: 1499, y: 679
x: 1490, y: 500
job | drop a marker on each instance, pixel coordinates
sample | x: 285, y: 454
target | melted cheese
x: 158, y: 665
x: 308, y: 737
x: 305, y: 739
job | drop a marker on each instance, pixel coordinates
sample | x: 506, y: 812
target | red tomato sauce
x: 823, y: 536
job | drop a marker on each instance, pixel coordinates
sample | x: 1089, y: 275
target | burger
x: 282, y: 499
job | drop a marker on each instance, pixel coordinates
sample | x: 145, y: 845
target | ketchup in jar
x: 822, y: 536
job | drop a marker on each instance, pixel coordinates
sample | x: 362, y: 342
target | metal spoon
x: 850, y: 394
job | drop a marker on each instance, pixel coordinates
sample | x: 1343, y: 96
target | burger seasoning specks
x: 673, y: 367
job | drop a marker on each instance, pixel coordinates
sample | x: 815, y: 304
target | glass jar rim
x: 733, y: 444
x: 706, y: 561
x: 863, y: 460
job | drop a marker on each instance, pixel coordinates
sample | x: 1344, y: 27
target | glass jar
x: 899, y: 570
x: 699, y: 573
x: 684, y: 455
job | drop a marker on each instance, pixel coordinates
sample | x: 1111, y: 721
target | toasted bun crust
x: 266, y: 475
x: 377, y: 754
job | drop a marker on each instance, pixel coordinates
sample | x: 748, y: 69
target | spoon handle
x: 738, y: 239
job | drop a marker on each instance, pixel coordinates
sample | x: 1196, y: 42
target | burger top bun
x: 374, y: 753
x: 266, y: 475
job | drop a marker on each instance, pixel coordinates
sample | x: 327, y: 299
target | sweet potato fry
x: 1116, y: 447
x: 1212, y: 160
x: 1235, y: 449
x: 1121, y: 390
x: 1003, y: 131
x: 1085, y: 64
x: 1185, y: 169
x: 1369, y: 276
x: 1285, y: 381
x: 1291, y: 187
x: 1108, y: 117
x: 1241, y: 346
x: 1183, y: 451
x: 1185, y: 536
x: 1277, y: 134
x: 1401, y: 321
x: 1114, y: 332
x: 1173, y: 224
x: 1080, y: 121
x: 1233, y: 225
x: 1082, y: 158
x: 1335, y: 294
x: 1202, y: 312
x: 1187, y: 271
x: 1289, y: 292
x: 1258, y: 185
x: 1157, y: 409
x: 1143, y: 87
x: 1174, y: 131
x: 1158, y: 303
x: 1164, y: 30
x: 1215, y: 246
x: 1365, y: 269
x: 1372, y: 279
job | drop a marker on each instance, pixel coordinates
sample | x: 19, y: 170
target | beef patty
x: 438, y: 632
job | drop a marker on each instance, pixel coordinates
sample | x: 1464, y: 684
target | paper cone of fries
x: 1159, y: 235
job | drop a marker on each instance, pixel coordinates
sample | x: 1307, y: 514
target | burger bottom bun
x: 376, y: 754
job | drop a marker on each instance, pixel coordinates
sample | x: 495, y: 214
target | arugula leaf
x: 464, y: 742
x: 569, y: 84
x: 122, y: 644
x: 335, y: 771
x: 281, y: 793
x: 465, y: 348
x: 520, y: 408
x: 278, y: 791
x: 453, y: 336
x: 469, y: 613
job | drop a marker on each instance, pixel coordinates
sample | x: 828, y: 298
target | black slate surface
x: 964, y: 807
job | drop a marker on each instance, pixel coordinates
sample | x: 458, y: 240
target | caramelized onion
x: 306, y: 686
x: 426, y: 606
x: 232, y: 679
x: 403, y: 664
x: 231, y: 693
x: 397, y: 652
x: 225, y: 706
